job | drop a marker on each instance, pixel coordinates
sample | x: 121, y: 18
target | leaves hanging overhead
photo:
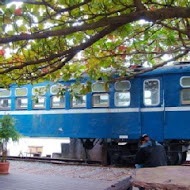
x: 60, y: 39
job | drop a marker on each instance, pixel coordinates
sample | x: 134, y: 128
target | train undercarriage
x: 122, y: 152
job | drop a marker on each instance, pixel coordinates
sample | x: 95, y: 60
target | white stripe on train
x: 104, y: 110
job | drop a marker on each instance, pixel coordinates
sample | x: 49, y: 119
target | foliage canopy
x: 59, y: 39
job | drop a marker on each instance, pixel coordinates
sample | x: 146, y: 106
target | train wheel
x: 184, y: 157
x: 178, y: 158
x: 115, y: 159
x: 181, y: 157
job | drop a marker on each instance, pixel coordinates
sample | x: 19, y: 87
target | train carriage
x: 156, y: 103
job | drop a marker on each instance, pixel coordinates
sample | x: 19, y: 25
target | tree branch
x: 160, y: 14
x: 152, y: 68
x: 69, y: 53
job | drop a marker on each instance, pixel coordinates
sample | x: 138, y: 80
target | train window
x: 185, y: 96
x: 5, y: 104
x: 151, y: 92
x: 57, y: 102
x: 100, y: 100
x: 56, y: 88
x: 78, y: 101
x: 21, y: 92
x: 185, y: 81
x: 4, y: 92
x: 122, y: 85
x: 39, y: 103
x: 21, y: 103
x: 98, y: 87
x: 122, y: 98
x: 39, y: 90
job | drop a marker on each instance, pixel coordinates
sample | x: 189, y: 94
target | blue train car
x: 156, y: 103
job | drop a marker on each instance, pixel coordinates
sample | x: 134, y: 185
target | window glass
x: 21, y: 103
x: 39, y: 90
x: 151, y: 92
x: 77, y: 88
x: 79, y: 101
x: 56, y: 88
x: 98, y: 87
x: 21, y: 92
x: 122, y: 98
x: 5, y: 104
x: 39, y: 103
x: 57, y: 102
x: 122, y: 85
x: 100, y: 100
x: 4, y: 92
x: 185, y: 81
x: 185, y: 96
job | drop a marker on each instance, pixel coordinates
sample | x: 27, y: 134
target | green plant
x: 7, y: 132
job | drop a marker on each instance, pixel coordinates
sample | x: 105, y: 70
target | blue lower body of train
x: 100, y: 125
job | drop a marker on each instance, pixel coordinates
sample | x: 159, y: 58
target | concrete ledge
x: 165, y: 177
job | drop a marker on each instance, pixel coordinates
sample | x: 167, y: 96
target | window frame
x: 99, y: 105
x: 21, y: 95
x: 53, y: 86
x: 158, y: 101
x: 40, y: 108
x: 20, y: 108
x: 121, y: 82
x: 184, y: 102
x: 34, y: 94
x: 122, y: 92
x: 57, y: 107
x: 7, y: 108
x: 97, y: 83
x: 4, y: 90
x: 81, y: 105
x: 181, y: 81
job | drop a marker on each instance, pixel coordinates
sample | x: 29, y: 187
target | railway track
x: 55, y: 160
x: 67, y: 161
x: 64, y: 161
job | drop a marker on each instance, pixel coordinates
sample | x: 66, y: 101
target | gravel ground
x: 72, y: 171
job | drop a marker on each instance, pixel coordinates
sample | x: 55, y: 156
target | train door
x: 152, y: 108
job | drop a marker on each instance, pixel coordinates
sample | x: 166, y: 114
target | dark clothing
x: 151, y: 154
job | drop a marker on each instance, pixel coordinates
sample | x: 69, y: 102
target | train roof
x: 179, y: 67
x: 183, y: 67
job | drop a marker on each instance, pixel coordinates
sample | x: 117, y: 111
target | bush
x: 7, y: 132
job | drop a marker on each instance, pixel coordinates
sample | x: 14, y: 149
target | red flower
x: 18, y: 12
x: 2, y: 52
